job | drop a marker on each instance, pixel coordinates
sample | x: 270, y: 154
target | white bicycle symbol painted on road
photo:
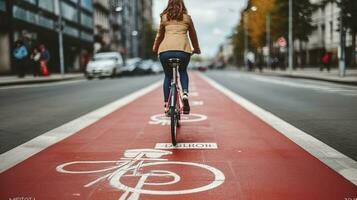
x: 162, y: 119
x: 132, y: 165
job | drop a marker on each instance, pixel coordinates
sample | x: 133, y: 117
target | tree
x: 349, y: 8
x: 257, y: 22
x: 148, y: 40
x: 302, y: 20
x: 238, y: 40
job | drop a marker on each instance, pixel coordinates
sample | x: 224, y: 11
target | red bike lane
x: 228, y: 153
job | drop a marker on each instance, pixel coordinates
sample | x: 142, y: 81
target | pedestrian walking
x: 45, y: 58
x: 20, y: 54
x: 326, y: 59
x: 251, y: 60
x: 35, y: 61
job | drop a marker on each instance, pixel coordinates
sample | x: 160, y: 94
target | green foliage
x: 148, y: 40
x: 302, y: 19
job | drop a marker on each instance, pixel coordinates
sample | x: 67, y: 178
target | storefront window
x: 2, y: 5
x: 87, y: 36
x: 24, y: 15
x: 86, y: 20
x: 87, y: 4
x: 45, y: 22
x: 69, y: 12
x: 71, y: 31
x: 46, y: 5
x: 31, y: 1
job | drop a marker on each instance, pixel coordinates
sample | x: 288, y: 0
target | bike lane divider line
x: 30, y: 148
x: 337, y: 161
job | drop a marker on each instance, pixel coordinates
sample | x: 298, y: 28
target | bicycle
x: 175, y: 107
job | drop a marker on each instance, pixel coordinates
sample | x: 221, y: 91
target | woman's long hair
x: 175, y: 10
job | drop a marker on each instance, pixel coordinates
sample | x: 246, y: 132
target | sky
x: 214, y: 20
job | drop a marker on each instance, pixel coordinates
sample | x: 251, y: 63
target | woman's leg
x: 184, y: 79
x: 164, y: 57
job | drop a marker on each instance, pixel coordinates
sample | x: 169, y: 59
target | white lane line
x: 187, y: 146
x: 35, y: 85
x: 339, y: 162
x: 289, y: 83
x: 34, y: 146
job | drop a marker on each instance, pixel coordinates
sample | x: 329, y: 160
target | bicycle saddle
x: 174, y: 60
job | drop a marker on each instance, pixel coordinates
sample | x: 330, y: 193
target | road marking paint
x: 186, y: 146
x: 196, y: 103
x: 337, y: 161
x: 318, y: 88
x: 136, y: 165
x: 194, y: 94
x: 162, y: 119
x: 35, y: 85
x: 34, y: 146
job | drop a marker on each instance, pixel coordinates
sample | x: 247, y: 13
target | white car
x: 105, y: 64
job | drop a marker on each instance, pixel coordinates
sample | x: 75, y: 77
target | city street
x: 327, y: 111
x: 248, y: 137
x: 29, y: 111
x: 178, y: 100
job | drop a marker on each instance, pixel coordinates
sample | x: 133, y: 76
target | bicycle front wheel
x: 173, y: 129
x: 173, y: 115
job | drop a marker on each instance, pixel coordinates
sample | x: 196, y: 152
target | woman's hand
x: 196, y: 51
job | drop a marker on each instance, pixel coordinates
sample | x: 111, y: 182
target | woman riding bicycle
x: 172, y: 41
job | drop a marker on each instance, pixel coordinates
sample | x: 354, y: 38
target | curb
x: 44, y: 80
x: 353, y: 83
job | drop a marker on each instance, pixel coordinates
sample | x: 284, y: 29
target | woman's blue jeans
x: 185, y: 60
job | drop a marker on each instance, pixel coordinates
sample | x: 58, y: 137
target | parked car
x: 145, y: 67
x: 157, y: 68
x: 131, y: 64
x: 104, y: 65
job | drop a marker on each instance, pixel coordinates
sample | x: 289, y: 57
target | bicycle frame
x: 175, y: 84
x: 175, y: 101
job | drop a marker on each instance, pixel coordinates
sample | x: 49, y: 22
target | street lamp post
x: 342, y: 52
x: 245, y: 21
x: 291, y: 41
x: 268, y: 28
x: 60, y: 39
x: 246, y: 32
x: 121, y: 10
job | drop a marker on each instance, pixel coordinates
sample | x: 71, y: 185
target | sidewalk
x: 29, y: 79
x: 316, y: 74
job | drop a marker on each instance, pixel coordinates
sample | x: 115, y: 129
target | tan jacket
x: 172, y: 35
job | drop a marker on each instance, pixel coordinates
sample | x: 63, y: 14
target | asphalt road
x: 324, y: 110
x: 29, y: 111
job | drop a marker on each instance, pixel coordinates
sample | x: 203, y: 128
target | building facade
x: 37, y: 22
x: 102, y: 28
x: 128, y: 20
x: 326, y: 37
